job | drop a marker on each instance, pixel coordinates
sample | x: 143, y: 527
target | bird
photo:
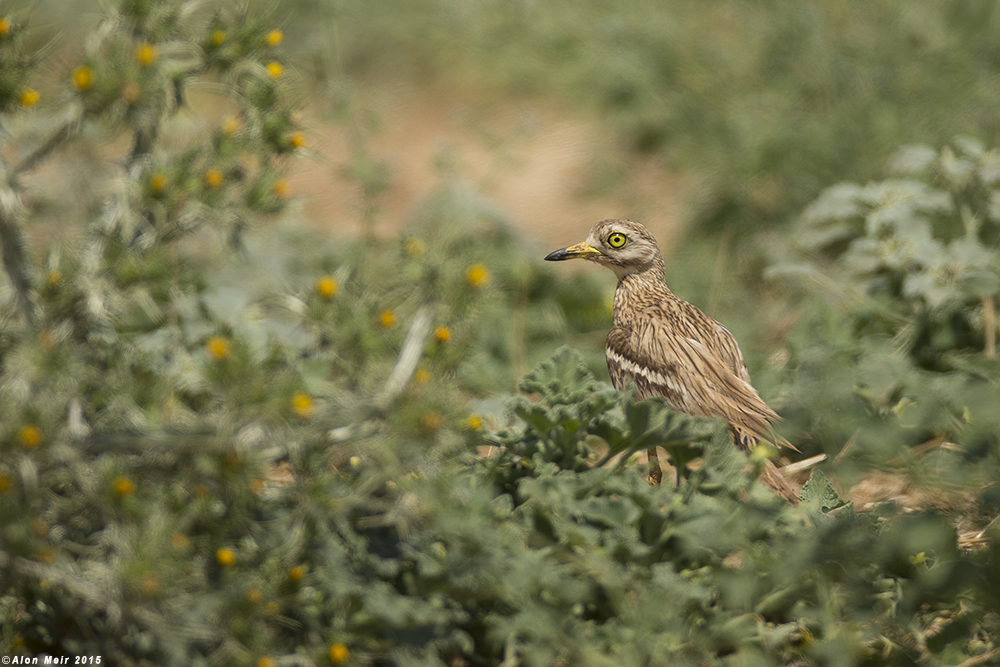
x: 670, y: 348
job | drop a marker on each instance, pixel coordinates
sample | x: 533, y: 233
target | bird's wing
x: 728, y: 350
x: 664, y: 362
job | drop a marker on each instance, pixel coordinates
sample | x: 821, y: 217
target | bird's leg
x: 655, y: 474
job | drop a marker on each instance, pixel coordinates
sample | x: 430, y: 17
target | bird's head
x: 623, y: 246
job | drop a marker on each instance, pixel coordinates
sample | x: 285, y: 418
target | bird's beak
x: 572, y: 252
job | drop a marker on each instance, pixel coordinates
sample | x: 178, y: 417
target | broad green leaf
x: 820, y: 492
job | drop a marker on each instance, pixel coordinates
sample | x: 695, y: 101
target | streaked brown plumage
x: 670, y: 348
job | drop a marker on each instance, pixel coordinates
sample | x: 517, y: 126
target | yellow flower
x: 218, y: 37
x: 179, y: 541
x: 124, y: 486
x: 297, y: 139
x: 274, y: 38
x: 474, y: 422
x: 431, y: 421
x: 158, y: 183
x: 296, y: 573
x: 5, y: 26
x: 275, y: 69
x: 421, y: 376
x: 39, y: 527
x: 31, y: 435
x: 4, y: 483
x: 149, y: 585
x: 254, y: 596
x: 29, y: 97
x: 327, y: 287
x: 218, y: 347
x: 388, y: 320
x: 55, y: 277
x: 478, y: 275
x: 146, y: 54
x: 761, y: 452
x: 302, y: 404
x: 442, y: 334
x: 231, y: 126
x: 214, y: 178
x: 339, y: 654
x: 266, y: 661
x: 225, y: 557
x: 83, y: 78
x: 281, y: 189
x: 415, y: 247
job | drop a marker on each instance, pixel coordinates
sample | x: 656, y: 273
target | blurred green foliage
x: 227, y: 442
x: 897, y: 344
x: 768, y: 102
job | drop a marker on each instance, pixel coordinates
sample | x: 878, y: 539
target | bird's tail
x: 769, y: 475
x: 775, y: 481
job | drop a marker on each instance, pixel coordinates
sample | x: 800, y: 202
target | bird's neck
x: 638, y: 290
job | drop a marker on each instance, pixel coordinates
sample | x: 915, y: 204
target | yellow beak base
x: 572, y: 252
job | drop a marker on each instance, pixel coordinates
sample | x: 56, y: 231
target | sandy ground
x: 553, y: 173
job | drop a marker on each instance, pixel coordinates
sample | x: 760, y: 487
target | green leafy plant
x: 562, y: 430
x: 897, y: 349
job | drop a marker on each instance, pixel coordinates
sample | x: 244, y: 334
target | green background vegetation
x: 228, y: 438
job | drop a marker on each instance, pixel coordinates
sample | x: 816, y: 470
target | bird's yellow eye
x: 616, y: 239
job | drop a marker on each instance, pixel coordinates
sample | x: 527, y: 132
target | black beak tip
x: 557, y: 255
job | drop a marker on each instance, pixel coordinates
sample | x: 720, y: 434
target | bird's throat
x: 636, y: 291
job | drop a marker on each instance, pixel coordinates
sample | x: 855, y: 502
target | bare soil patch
x: 554, y: 172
